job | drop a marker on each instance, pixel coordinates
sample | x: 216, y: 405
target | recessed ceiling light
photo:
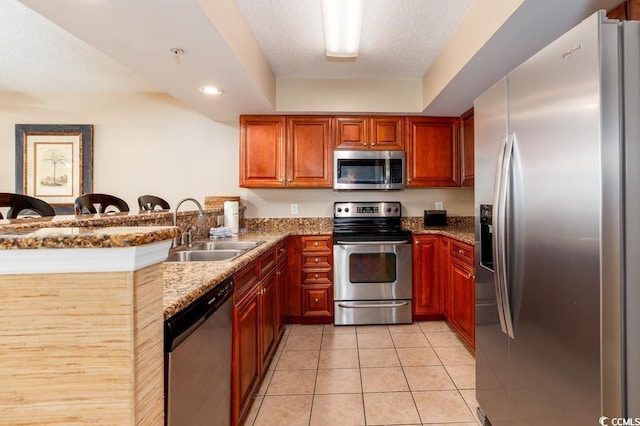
x: 209, y: 90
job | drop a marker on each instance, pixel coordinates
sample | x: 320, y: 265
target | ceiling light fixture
x: 209, y: 90
x: 342, y: 22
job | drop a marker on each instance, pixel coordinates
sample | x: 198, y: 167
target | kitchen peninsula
x: 116, y: 312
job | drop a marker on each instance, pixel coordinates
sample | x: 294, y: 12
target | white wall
x: 154, y: 144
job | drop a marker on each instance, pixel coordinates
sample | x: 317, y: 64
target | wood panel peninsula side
x: 82, y: 321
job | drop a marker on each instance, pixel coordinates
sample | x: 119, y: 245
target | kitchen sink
x: 225, y: 245
x: 203, y: 255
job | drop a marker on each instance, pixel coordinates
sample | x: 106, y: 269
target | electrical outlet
x: 439, y: 205
x: 294, y: 208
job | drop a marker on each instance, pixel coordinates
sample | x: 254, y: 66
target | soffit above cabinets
x: 268, y: 55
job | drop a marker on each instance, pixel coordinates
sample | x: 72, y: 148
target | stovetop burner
x: 369, y: 221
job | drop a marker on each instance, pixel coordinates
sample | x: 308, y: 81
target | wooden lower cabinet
x: 444, y: 283
x: 462, y: 307
x: 462, y: 291
x: 281, y: 288
x: 310, y: 279
x: 268, y: 313
x: 427, y: 288
x: 246, y: 354
x: 257, y: 327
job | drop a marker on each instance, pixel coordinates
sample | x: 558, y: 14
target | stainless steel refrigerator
x: 557, y: 204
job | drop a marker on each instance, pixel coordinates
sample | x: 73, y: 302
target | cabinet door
x: 387, y: 133
x: 427, y: 292
x: 432, y: 151
x: 281, y: 295
x: 262, y: 145
x: 309, y: 152
x: 467, y: 167
x: 294, y: 276
x: 462, y: 315
x: 445, y: 265
x: 268, y: 318
x: 245, y: 366
x: 351, y: 133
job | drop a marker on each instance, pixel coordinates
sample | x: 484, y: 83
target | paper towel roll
x: 231, y: 218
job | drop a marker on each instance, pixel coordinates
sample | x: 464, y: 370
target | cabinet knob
x: 461, y: 252
x: 278, y: 273
x: 316, y: 260
x: 290, y: 180
x: 282, y: 250
x: 315, y: 244
x: 364, y: 143
x: 471, y: 276
x: 373, y: 144
x: 281, y: 180
x: 408, y: 179
x: 417, y: 243
x: 316, y: 300
x: 317, y: 276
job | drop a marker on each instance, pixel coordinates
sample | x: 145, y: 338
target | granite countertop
x: 185, y: 282
x: 465, y: 235
x: 84, y: 237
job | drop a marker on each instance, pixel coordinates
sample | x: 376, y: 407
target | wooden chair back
x: 151, y: 202
x: 19, y: 203
x: 99, y: 203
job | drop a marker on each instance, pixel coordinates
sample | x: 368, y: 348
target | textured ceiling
x: 39, y: 56
x: 123, y: 46
x: 400, y: 38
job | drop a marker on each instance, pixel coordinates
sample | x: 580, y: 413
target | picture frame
x: 54, y: 162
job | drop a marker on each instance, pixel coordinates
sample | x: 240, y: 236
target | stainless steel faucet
x: 179, y: 240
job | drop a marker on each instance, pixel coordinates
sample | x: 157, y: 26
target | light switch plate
x: 439, y: 205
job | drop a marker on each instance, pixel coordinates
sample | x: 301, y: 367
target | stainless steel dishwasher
x: 198, y: 361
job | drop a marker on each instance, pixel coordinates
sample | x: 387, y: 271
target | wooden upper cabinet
x: 433, y: 151
x: 309, y: 152
x: 278, y: 151
x: 370, y: 133
x: 628, y: 10
x: 262, y: 155
x: 467, y: 167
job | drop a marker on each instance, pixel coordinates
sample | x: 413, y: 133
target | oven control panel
x: 367, y: 209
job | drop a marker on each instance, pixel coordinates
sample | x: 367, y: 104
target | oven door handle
x: 370, y: 243
x: 372, y: 305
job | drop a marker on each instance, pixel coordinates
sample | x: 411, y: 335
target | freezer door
x: 562, y: 105
x: 490, y: 122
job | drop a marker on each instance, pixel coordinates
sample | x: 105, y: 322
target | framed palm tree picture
x: 54, y: 162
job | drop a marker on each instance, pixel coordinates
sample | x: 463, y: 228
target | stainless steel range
x: 372, y: 264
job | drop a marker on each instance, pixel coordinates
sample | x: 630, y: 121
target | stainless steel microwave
x: 381, y: 170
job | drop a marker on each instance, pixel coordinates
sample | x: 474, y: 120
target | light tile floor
x: 413, y: 374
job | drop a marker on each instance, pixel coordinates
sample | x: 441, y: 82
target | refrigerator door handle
x: 501, y: 188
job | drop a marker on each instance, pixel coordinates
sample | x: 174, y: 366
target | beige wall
x: 152, y: 143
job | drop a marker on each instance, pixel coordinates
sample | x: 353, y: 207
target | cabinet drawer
x: 267, y: 262
x: 316, y: 243
x: 318, y: 277
x: 317, y: 300
x: 316, y: 261
x: 244, y: 280
x: 281, y: 251
x: 462, y: 251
